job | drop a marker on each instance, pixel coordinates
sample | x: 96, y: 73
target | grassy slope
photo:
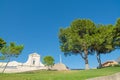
x: 60, y: 75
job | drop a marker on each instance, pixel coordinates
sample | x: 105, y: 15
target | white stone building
x: 34, y: 60
x: 33, y: 63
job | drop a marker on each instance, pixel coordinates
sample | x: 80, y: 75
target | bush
x: 117, y: 65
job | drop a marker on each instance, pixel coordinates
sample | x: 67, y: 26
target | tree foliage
x: 84, y: 37
x: 117, y: 33
x: 48, y: 61
x: 103, y: 41
x: 2, y: 43
x: 10, y: 51
x: 77, y: 39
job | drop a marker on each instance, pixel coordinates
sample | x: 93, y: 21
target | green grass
x: 60, y: 75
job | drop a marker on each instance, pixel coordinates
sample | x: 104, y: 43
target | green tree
x: 10, y: 51
x: 117, y: 33
x: 2, y: 43
x: 103, y: 41
x: 77, y: 39
x: 48, y: 61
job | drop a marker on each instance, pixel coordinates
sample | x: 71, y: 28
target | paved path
x: 115, y: 76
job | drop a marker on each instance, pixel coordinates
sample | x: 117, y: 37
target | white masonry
x: 33, y: 63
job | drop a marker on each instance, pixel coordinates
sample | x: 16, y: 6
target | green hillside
x: 60, y: 75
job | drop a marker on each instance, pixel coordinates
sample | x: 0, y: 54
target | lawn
x: 60, y: 75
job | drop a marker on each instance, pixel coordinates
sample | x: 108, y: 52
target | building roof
x: 34, y: 55
x: 109, y: 63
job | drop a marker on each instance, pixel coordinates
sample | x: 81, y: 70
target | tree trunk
x: 99, y: 60
x: 86, y: 64
x: 6, y: 65
x: 86, y: 60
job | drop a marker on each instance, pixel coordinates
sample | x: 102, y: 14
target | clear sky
x: 36, y: 23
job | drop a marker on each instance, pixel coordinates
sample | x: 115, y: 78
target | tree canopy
x: 117, y: 33
x: 48, y: 61
x: 84, y: 37
x: 10, y: 51
x: 103, y: 41
x: 2, y: 43
x: 77, y: 38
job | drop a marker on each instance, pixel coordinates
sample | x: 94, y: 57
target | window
x: 33, y: 61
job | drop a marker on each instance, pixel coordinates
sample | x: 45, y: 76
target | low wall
x: 110, y: 77
x: 20, y: 69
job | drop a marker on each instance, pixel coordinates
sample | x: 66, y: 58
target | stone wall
x: 110, y: 77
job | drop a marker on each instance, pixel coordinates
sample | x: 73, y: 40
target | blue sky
x: 36, y: 23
